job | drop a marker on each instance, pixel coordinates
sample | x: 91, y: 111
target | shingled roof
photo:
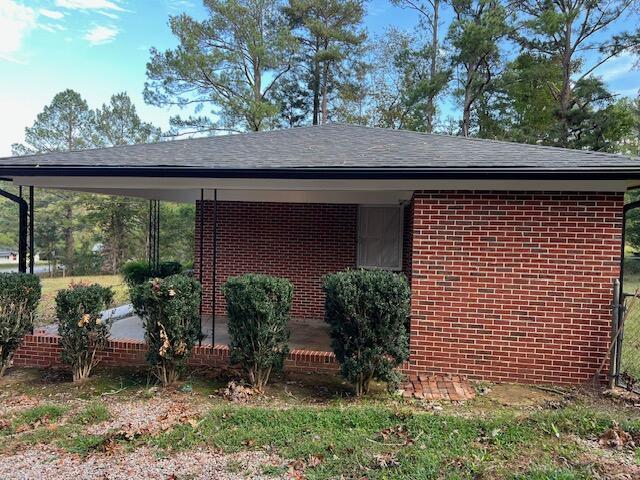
x: 330, y: 147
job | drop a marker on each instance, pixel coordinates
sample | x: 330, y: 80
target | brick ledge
x: 43, y: 350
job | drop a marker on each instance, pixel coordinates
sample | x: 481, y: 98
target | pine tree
x: 432, y: 83
x: 232, y: 61
x: 120, y: 220
x: 118, y: 123
x: 65, y: 124
x: 475, y: 36
x: 329, y: 32
x: 565, y: 32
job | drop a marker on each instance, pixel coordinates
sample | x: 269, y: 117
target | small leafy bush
x: 19, y: 296
x: 258, y: 308
x: 81, y: 327
x: 166, y: 269
x: 368, y: 312
x: 170, y: 310
x: 137, y: 272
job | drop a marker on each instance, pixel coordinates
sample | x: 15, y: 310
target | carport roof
x: 333, y: 150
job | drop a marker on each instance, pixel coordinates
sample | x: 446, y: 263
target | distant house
x: 8, y: 255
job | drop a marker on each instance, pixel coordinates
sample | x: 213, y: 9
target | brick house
x: 510, y: 249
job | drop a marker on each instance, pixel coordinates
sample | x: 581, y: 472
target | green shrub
x: 166, y: 269
x: 368, y: 312
x: 170, y: 310
x: 81, y: 327
x: 19, y: 296
x: 258, y: 308
x: 136, y: 272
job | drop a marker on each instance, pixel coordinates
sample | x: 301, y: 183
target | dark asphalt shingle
x: 331, y: 146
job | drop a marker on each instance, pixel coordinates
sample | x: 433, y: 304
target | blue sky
x: 100, y: 47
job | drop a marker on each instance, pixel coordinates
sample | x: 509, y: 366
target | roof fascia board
x: 617, y: 173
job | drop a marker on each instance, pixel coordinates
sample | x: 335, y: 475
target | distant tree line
x: 89, y: 233
x: 523, y: 70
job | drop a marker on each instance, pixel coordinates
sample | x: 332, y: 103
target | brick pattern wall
x: 407, y: 240
x: 513, y: 286
x: 301, y: 242
x: 43, y: 351
x: 506, y: 286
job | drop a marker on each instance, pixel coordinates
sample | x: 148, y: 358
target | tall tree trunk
x: 431, y: 110
x: 325, y: 92
x: 69, y: 249
x: 565, y: 92
x: 316, y: 91
x: 467, y: 102
x: 466, y: 115
x: 257, y: 92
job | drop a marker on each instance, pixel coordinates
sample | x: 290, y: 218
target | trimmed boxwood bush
x: 170, y: 311
x: 19, y: 296
x: 168, y: 268
x: 368, y: 312
x: 258, y: 308
x: 83, y: 332
x: 137, y: 272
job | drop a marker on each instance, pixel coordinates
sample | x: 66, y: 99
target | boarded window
x: 380, y: 236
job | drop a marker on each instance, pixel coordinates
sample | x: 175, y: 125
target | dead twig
x: 113, y: 392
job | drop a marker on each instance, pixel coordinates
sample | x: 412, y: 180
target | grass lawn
x: 304, y: 427
x: 51, y: 286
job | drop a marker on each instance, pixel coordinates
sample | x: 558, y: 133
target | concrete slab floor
x: 308, y: 335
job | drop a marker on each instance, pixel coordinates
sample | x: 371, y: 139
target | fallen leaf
x: 315, y: 460
x: 616, y: 437
x: 386, y: 460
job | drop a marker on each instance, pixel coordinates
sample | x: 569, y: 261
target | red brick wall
x: 44, y: 351
x: 505, y: 286
x: 301, y: 242
x: 513, y: 286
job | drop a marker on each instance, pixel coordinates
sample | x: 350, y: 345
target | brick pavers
x: 439, y: 387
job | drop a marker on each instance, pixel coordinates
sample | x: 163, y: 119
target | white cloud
x: 108, y: 14
x: 53, y: 14
x: 617, y: 67
x: 52, y: 27
x: 180, y: 5
x: 101, y: 34
x: 89, y: 5
x: 16, y: 21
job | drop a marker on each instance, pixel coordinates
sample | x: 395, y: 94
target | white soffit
x: 129, y: 184
x: 288, y: 196
x: 188, y: 190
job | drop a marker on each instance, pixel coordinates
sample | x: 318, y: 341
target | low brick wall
x: 44, y: 351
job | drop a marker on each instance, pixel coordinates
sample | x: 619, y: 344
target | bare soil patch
x: 150, y: 415
x: 47, y: 463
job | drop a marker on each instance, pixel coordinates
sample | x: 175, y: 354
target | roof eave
x: 391, y: 173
